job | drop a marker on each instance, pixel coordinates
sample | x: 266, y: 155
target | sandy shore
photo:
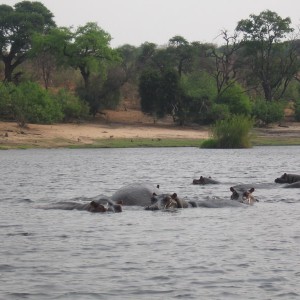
x: 60, y: 135
x: 114, y: 125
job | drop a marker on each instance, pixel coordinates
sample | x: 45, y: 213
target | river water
x: 226, y: 252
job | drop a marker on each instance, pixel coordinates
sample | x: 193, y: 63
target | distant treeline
x: 52, y: 74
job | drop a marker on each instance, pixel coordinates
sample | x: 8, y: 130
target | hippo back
x: 136, y: 194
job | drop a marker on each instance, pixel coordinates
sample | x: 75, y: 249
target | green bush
x: 5, y: 101
x: 31, y: 103
x: 237, y: 100
x: 297, y: 110
x: 210, y: 143
x: 231, y: 133
x: 71, y: 105
x: 268, y: 112
x: 219, y: 112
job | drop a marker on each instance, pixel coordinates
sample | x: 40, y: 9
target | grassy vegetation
x: 147, y: 143
x: 140, y: 143
x: 233, y: 132
x: 278, y: 141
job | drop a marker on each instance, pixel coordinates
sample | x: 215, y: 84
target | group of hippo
x: 150, y: 197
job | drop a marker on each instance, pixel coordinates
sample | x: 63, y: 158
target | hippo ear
x: 120, y: 202
x: 157, y: 186
x: 174, y: 196
x: 252, y: 190
x: 232, y: 189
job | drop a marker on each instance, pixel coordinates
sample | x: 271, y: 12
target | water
x: 202, y: 253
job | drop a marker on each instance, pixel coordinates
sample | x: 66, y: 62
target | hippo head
x: 243, y: 196
x: 282, y: 179
x: 116, y: 208
x: 111, y: 207
x: 97, y: 207
x: 163, y: 201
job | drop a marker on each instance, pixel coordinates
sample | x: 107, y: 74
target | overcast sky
x: 137, y: 21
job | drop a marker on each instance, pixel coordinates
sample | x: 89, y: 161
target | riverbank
x: 128, y: 129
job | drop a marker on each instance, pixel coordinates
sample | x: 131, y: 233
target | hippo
x: 243, y: 196
x: 96, y: 206
x: 288, y: 178
x: 205, y: 180
x: 293, y: 185
x: 136, y: 194
x: 167, y: 201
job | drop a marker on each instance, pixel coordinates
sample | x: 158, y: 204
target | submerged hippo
x: 167, y: 201
x: 288, y: 178
x: 96, y: 206
x: 138, y: 194
x: 293, y: 185
x: 205, y: 180
x: 243, y: 196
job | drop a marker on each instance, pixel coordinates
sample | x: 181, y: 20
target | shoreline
x: 112, y: 134
x: 90, y: 134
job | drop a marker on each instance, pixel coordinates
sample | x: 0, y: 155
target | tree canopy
x: 272, y: 60
x: 17, y: 26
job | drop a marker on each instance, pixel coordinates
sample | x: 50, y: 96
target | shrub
x: 297, y: 110
x: 237, y: 100
x: 5, y: 101
x: 219, y: 112
x: 231, y: 133
x: 71, y: 105
x: 31, y: 103
x: 268, y: 112
x: 210, y: 143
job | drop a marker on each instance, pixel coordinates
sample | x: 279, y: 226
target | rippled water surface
x: 225, y: 252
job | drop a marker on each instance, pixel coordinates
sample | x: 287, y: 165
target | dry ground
x: 115, y: 124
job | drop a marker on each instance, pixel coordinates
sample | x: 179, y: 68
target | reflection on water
x: 201, y: 253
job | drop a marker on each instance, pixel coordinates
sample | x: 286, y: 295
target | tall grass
x: 231, y: 133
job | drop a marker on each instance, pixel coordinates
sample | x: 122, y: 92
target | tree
x: 89, y: 51
x: 17, y: 25
x: 182, y: 52
x: 224, y: 57
x: 159, y: 92
x: 273, y: 62
x: 149, y: 91
x: 47, y: 51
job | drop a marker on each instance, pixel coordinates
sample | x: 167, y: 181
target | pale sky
x: 137, y: 21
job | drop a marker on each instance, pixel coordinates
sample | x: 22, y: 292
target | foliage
x: 268, y: 112
x: 5, y: 101
x: 102, y: 93
x: 218, y: 112
x: 236, y: 99
x: 33, y: 104
x: 72, y: 107
x: 231, y: 133
x: 273, y: 62
x: 297, y: 110
x: 197, y: 98
x: 17, y: 26
x: 224, y: 58
x: 88, y: 50
x: 158, y: 92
